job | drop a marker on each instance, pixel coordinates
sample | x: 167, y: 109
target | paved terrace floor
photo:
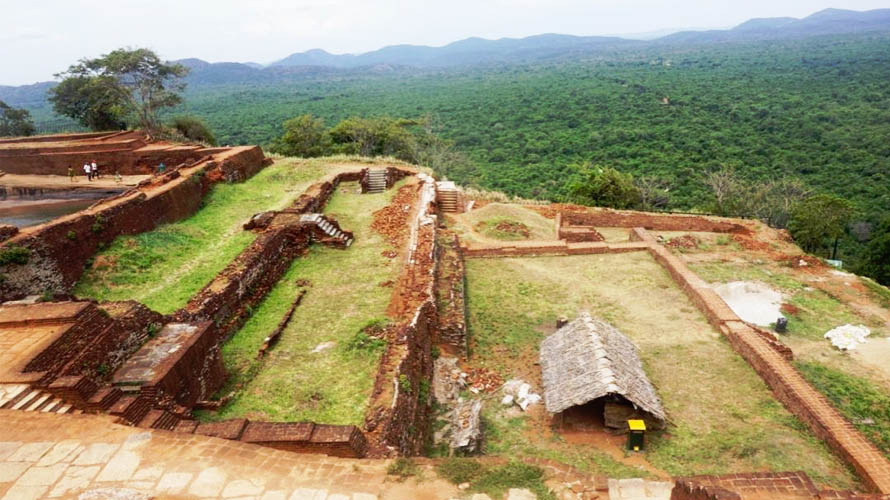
x: 87, y: 456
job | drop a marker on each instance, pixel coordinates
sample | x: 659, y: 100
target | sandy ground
x: 63, y: 182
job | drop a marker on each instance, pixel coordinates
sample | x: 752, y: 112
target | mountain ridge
x: 476, y: 50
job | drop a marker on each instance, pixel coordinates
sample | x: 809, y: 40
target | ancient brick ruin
x: 64, y: 355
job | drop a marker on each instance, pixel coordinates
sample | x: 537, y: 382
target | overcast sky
x: 42, y: 37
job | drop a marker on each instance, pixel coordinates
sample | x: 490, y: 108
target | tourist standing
x: 88, y: 171
x: 94, y: 169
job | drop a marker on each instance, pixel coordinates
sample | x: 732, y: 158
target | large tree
x: 819, y: 219
x: 130, y: 85
x: 603, y: 187
x: 304, y: 136
x: 876, y: 260
x: 14, y: 122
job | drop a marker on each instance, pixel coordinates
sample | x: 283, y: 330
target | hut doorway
x: 584, y: 418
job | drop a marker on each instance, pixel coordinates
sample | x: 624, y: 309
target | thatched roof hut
x: 589, y: 359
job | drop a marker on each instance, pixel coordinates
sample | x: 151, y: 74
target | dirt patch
x: 392, y: 220
x: 790, y: 309
x: 687, y: 241
x: 511, y: 229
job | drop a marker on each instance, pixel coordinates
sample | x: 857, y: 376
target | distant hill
x: 824, y: 22
x: 469, y: 51
x: 318, y: 63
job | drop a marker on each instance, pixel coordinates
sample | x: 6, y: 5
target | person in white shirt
x: 87, y: 170
x: 95, y: 170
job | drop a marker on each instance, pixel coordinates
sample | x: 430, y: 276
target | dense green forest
x: 818, y: 109
x: 813, y: 109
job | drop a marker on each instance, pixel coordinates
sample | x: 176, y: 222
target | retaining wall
x: 398, y: 414
x: 300, y: 437
x: 125, y: 152
x: 60, y: 248
x: 619, y: 218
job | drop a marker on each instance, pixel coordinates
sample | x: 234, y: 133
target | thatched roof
x: 588, y: 359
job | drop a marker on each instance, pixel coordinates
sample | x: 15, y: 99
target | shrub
x: 404, y: 383
x: 194, y: 129
x: 14, y: 255
x: 403, y: 467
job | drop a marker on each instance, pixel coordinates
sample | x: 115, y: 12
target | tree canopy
x: 194, y: 129
x: 876, y: 259
x: 603, y: 187
x: 124, y: 86
x: 15, y: 122
x: 818, y: 219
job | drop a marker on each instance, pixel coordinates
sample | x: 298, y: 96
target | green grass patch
x: 859, y: 400
x: 819, y: 312
x: 879, y: 292
x: 495, y: 481
x: 165, y: 267
x: 345, y: 304
x: 725, y: 272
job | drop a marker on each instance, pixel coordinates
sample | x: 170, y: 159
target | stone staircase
x: 376, y: 180
x: 329, y: 229
x: 25, y: 398
x: 448, y: 197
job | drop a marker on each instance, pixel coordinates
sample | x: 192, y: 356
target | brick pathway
x: 64, y: 456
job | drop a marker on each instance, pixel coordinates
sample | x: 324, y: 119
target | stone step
x: 9, y: 392
x: 25, y: 400
x: 39, y: 402
x: 104, y: 398
x: 51, y: 405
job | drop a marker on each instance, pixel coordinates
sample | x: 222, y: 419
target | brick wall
x: 61, y: 248
x: 620, y: 218
x: 398, y: 414
x: 300, y: 437
x: 228, y: 298
x: 450, y: 292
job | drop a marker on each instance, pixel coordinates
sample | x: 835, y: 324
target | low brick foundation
x: 450, y: 295
x: 603, y: 217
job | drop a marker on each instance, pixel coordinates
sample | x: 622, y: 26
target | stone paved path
x: 53, y: 456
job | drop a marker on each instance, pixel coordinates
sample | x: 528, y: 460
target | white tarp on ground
x: 847, y: 337
x: 753, y: 302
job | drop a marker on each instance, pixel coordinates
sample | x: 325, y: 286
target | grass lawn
x: 163, y: 268
x: 333, y: 386
x: 724, y: 418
